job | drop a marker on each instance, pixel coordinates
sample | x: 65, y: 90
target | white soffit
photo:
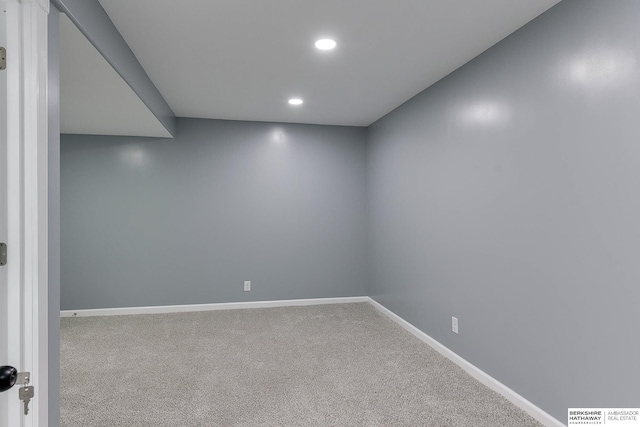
x: 243, y: 59
x: 94, y: 99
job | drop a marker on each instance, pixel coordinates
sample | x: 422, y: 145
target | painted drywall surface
x: 53, y: 118
x: 507, y: 195
x: 95, y: 24
x: 187, y: 220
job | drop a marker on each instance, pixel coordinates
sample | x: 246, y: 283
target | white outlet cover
x: 247, y: 285
x: 454, y: 324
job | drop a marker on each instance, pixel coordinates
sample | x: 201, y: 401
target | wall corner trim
x: 534, y: 411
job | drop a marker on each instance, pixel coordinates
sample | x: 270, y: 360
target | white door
x: 23, y: 205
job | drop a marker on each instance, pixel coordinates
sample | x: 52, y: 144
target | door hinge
x: 3, y: 58
x: 3, y: 254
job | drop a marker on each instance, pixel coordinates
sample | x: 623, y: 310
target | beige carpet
x: 328, y: 365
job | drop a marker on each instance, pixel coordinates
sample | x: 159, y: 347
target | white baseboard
x: 207, y: 307
x: 495, y: 385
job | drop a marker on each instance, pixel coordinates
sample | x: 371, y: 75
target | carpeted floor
x: 325, y: 365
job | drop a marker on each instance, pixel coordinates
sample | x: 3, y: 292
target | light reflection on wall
x: 602, y: 68
x: 135, y: 156
x: 278, y: 136
x: 485, y: 113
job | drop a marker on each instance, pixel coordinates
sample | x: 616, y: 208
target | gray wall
x: 187, y: 220
x: 54, y: 215
x: 507, y: 195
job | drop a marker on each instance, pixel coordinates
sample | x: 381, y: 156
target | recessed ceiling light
x: 325, y: 44
x: 295, y: 101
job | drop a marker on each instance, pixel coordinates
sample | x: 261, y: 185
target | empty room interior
x: 344, y: 213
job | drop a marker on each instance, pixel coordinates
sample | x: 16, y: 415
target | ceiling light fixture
x: 325, y: 44
x: 295, y: 101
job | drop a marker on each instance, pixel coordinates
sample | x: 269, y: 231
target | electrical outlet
x: 247, y: 285
x: 454, y: 324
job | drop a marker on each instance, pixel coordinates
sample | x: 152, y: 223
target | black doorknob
x: 8, y: 377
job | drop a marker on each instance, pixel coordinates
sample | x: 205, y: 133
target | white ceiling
x: 94, y: 99
x: 243, y: 59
